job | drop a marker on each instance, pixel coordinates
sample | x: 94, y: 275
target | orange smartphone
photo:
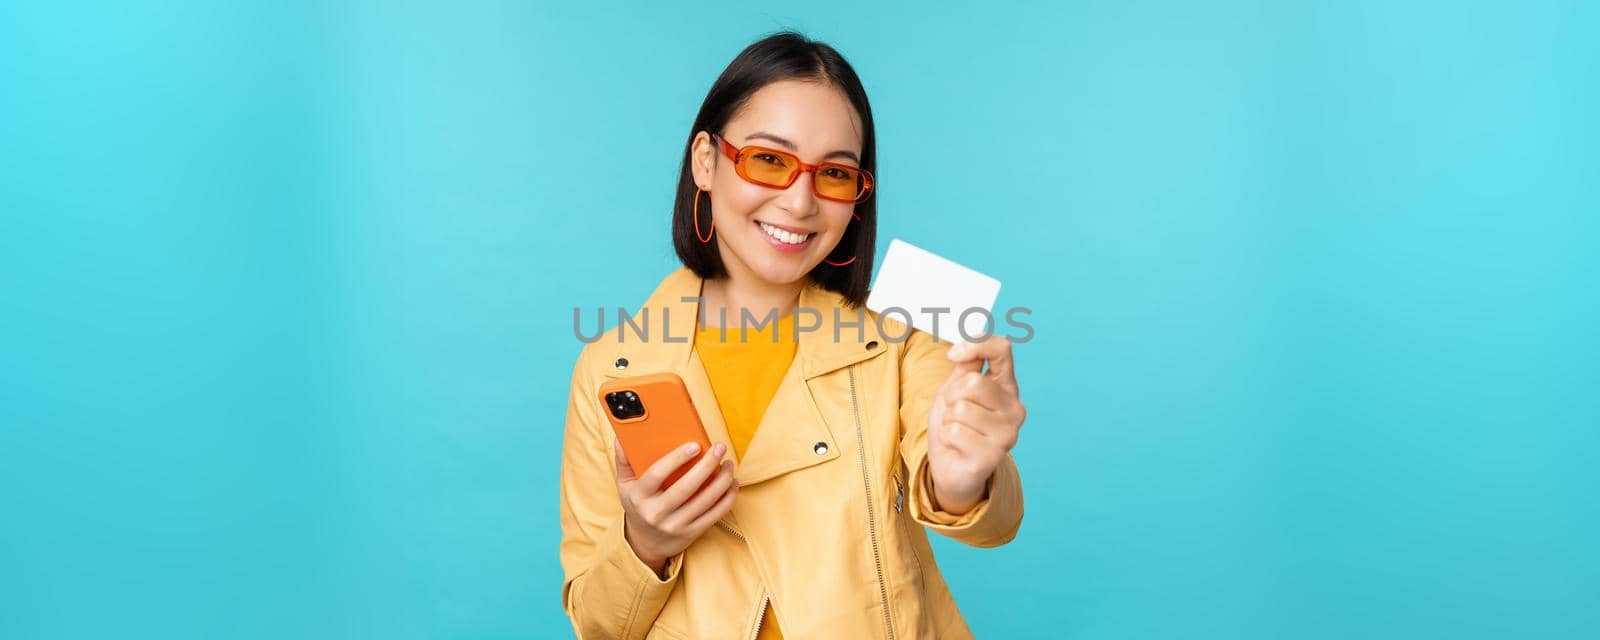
x: 652, y: 415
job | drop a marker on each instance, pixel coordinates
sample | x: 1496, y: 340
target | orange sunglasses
x: 770, y: 167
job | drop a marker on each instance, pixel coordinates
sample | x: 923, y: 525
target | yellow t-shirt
x: 744, y: 376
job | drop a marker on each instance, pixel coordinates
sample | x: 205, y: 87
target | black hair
x: 785, y: 55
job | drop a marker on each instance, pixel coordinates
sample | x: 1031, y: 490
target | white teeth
x: 784, y: 236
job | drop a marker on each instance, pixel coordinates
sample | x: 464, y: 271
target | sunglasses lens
x: 769, y: 167
x: 838, y: 182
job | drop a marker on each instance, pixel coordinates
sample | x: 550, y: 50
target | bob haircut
x: 785, y: 55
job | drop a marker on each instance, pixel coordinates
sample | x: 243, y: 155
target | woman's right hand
x: 661, y: 523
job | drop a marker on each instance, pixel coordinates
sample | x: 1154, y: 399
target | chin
x: 786, y: 272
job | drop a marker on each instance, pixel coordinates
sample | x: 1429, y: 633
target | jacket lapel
x: 792, y: 434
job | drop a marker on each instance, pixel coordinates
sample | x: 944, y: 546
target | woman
x: 849, y: 435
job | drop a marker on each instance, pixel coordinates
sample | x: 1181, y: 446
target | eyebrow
x: 837, y: 153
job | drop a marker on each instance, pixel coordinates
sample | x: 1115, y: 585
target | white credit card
x: 935, y: 292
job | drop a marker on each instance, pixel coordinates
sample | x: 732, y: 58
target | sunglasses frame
x: 733, y: 153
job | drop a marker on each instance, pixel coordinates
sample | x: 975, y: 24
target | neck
x: 738, y: 293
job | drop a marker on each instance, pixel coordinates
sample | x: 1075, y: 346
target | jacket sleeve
x: 607, y: 592
x: 992, y: 522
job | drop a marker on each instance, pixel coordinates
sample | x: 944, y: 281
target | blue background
x: 287, y: 302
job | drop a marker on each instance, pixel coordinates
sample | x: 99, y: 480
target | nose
x: 799, y: 199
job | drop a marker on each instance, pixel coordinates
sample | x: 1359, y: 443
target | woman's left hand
x: 973, y: 423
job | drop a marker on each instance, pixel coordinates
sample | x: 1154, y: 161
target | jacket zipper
x: 760, y: 618
x: 872, y: 526
x: 761, y: 615
x: 905, y: 524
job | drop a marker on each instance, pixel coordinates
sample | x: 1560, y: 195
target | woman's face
x: 809, y: 119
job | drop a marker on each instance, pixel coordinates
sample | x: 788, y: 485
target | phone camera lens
x: 624, y: 405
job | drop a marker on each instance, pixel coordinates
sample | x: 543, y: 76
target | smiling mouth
x: 786, y: 237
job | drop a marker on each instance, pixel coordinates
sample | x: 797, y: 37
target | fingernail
x: 727, y: 465
x: 719, y: 449
x: 691, y: 448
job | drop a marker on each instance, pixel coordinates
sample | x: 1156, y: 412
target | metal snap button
x: 821, y: 448
x: 872, y: 345
x: 622, y: 363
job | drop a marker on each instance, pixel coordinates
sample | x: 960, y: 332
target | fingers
x: 996, y: 350
x: 980, y: 389
x: 713, y: 493
x: 987, y: 402
x: 658, y: 472
x: 967, y: 365
x: 969, y: 415
x: 964, y: 438
x: 715, y: 513
x: 971, y: 394
x: 984, y: 400
x: 624, y: 470
x: 691, y: 480
x: 998, y: 427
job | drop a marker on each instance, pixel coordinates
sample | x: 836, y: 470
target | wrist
x: 657, y: 563
x: 956, y: 500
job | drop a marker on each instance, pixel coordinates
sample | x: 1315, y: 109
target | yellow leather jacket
x: 833, y: 507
